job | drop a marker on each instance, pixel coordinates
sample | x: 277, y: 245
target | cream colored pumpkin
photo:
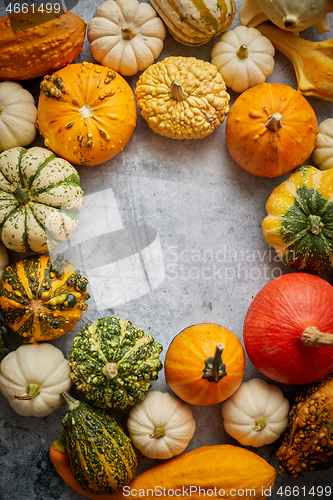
x: 32, y: 378
x: 256, y: 414
x: 244, y: 57
x: 322, y: 154
x: 4, y: 259
x: 161, y: 425
x: 126, y: 35
x: 290, y: 15
x: 18, y: 115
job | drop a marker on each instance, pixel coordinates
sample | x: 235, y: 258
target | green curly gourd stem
x: 315, y: 225
x: 21, y: 195
x: 71, y: 403
x: 177, y: 92
x: 243, y: 52
x: 215, y: 369
x: 60, y: 443
x: 313, y: 337
x: 259, y: 424
x: 158, y: 433
x: 32, y: 391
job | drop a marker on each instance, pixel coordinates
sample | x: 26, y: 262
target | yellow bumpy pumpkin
x: 182, y: 97
x: 42, y: 297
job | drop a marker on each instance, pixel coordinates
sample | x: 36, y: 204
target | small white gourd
x: 32, y: 378
x: 290, y: 15
x: 244, y: 57
x: 18, y: 115
x: 322, y: 154
x: 126, y: 35
x: 161, y: 425
x: 256, y: 414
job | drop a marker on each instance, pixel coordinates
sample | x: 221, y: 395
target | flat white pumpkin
x: 256, y: 414
x: 244, y: 57
x: 322, y: 155
x: 126, y: 35
x: 32, y: 378
x: 161, y: 425
x: 40, y: 199
x: 18, y: 115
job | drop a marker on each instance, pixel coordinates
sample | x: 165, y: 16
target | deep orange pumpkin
x: 86, y: 113
x: 271, y: 129
x: 205, y: 364
x: 288, y: 329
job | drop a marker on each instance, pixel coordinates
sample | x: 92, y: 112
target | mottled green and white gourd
x: 40, y: 199
x: 114, y: 363
x: 100, y: 454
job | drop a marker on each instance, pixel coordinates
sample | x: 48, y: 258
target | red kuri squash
x: 288, y: 329
x: 205, y: 364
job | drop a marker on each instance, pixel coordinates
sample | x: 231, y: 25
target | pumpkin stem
x: 86, y: 111
x: 21, y: 195
x: 110, y: 370
x: 32, y: 391
x: 274, y: 122
x: 314, y: 224
x: 215, y: 369
x: 242, y: 52
x: 313, y: 337
x: 259, y: 424
x: 128, y: 33
x: 158, y: 433
x: 176, y: 91
x: 60, y: 443
x: 289, y: 22
x: 71, y: 403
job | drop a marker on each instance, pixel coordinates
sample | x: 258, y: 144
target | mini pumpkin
x: 40, y: 199
x: 271, y: 129
x: 182, y: 97
x: 86, y: 113
x: 244, y: 57
x: 299, y: 220
x: 18, y: 115
x: 323, y: 152
x: 161, y: 425
x: 256, y: 414
x: 32, y: 378
x: 126, y: 35
x: 204, y: 364
x: 42, y: 297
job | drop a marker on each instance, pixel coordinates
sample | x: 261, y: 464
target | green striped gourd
x: 195, y: 22
x: 40, y: 199
x: 100, y: 454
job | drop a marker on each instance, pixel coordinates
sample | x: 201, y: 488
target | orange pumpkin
x: 205, y: 364
x: 271, y: 129
x: 86, y: 113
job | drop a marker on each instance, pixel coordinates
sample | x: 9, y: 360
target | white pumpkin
x: 290, y: 15
x: 161, y: 425
x: 18, y: 115
x: 4, y: 259
x: 244, y: 57
x: 126, y: 35
x: 256, y: 414
x: 322, y: 155
x: 32, y: 378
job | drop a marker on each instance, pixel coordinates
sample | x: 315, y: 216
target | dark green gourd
x: 100, y: 454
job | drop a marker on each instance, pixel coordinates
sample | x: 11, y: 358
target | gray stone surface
x: 200, y: 259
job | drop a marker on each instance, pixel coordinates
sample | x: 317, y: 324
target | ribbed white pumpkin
x: 18, y: 115
x: 126, y: 35
x: 256, y: 414
x: 322, y: 155
x: 244, y: 57
x: 291, y: 15
x: 196, y: 22
x: 32, y: 378
x: 40, y: 199
x: 161, y: 425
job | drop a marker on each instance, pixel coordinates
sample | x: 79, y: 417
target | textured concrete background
x: 203, y: 259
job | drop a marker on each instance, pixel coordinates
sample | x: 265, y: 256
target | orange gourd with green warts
x: 86, y: 113
x: 42, y: 297
x: 205, y: 364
